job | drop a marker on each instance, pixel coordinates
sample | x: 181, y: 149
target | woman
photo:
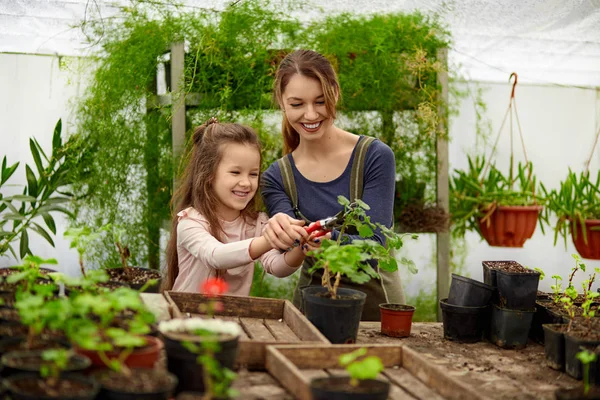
x: 321, y: 158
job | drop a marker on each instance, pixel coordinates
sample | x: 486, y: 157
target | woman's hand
x: 284, y: 232
x: 313, y: 243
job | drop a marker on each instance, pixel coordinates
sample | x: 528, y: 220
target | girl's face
x: 236, y: 179
x: 304, y: 106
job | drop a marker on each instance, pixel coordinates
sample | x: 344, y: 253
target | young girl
x: 216, y: 229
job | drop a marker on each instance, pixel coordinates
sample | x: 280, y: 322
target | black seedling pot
x: 517, y: 291
x: 554, y: 346
x: 337, y: 388
x: 510, y: 328
x: 577, y: 394
x: 542, y: 316
x: 489, y: 278
x: 463, y: 324
x: 573, y: 345
x: 469, y: 292
x: 337, y: 319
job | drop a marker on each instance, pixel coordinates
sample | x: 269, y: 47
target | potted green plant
x: 503, y: 209
x: 52, y: 383
x: 336, y: 311
x: 361, y: 384
x: 577, y: 206
x: 590, y: 390
x: 201, y: 351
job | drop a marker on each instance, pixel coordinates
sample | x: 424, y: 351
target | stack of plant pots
x: 513, y: 305
x: 465, y: 310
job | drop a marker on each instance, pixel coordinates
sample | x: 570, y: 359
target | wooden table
x: 492, y: 372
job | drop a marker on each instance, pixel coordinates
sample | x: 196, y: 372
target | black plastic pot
x: 554, y: 346
x: 510, y: 328
x: 577, y: 394
x: 18, y: 392
x: 137, y: 286
x: 489, y: 278
x: 469, y: 292
x: 183, y: 364
x: 573, y: 345
x: 15, y: 344
x: 107, y: 392
x: 517, y: 291
x: 542, y: 316
x: 12, y: 363
x: 337, y: 319
x: 463, y: 324
x: 330, y: 389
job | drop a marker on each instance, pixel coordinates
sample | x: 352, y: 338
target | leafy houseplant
x: 41, y: 197
x: 480, y: 198
x: 577, y: 205
x: 363, y: 371
x: 352, y: 259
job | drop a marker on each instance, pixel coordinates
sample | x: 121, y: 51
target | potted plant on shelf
x: 201, y: 352
x: 336, y: 311
x: 363, y: 370
x: 577, y: 206
x: 504, y: 210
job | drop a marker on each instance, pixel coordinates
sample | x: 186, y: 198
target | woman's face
x: 304, y: 105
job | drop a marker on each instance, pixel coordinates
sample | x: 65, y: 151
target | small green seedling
x: 586, y: 357
x: 557, y: 288
x: 57, y: 360
x: 81, y: 238
x: 367, y: 368
x: 542, y: 274
x: 568, y: 300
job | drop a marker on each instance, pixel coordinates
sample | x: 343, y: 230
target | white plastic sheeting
x: 545, y: 41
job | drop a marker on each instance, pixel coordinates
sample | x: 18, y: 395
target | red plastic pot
x: 144, y: 357
x: 396, y: 319
x: 591, y: 249
x: 510, y: 226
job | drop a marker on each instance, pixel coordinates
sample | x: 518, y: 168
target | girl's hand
x: 283, y: 232
x: 313, y: 243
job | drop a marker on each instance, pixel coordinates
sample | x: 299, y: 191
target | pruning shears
x: 323, y: 226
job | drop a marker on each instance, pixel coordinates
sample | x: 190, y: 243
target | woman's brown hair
x: 312, y: 65
x: 196, y: 183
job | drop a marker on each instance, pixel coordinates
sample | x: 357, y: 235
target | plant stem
x: 81, y: 265
x: 337, y: 282
x: 326, y: 281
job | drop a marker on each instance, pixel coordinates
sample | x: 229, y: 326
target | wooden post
x: 178, y: 102
x: 443, y: 198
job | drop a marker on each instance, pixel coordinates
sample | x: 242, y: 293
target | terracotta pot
x: 144, y: 357
x: 396, y: 319
x: 591, y: 249
x: 510, y: 226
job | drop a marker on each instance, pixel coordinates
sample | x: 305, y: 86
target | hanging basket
x: 509, y: 226
x: 591, y: 248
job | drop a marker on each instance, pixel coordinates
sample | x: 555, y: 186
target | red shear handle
x: 314, y: 226
x: 320, y: 233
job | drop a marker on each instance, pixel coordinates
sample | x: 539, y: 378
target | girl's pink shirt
x: 202, y: 256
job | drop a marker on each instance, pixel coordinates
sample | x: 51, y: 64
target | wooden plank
x: 287, y: 374
x: 241, y: 306
x: 410, y: 384
x: 442, y: 186
x: 243, y: 335
x: 298, y: 323
x: 437, y: 377
x: 281, y: 331
x: 257, y: 331
x: 326, y: 356
x: 311, y: 374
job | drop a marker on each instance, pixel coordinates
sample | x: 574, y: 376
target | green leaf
x: 36, y: 156
x: 20, y: 197
x: 49, y: 222
x: 14, y: 217
x: 54, y: 207
x: 7, y: 172
x: 56, y: 139
x: 24, y: 245
x: 42, y: 233
x: 32, y: 186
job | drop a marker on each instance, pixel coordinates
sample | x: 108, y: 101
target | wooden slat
x: 243, y: 335
x: 409, y: 383
x: 396, y: 392
x: 281, y: 331
x: 287, y: 374
x: 298, y: 323
x: 311, y: 374
x: 257, y: 331
x: 436, y: 377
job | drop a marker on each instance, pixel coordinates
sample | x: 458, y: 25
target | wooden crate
x: 264, y: 322
x: 412, y: 376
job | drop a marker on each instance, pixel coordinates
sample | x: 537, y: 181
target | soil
x: 397, y: 307
x: 140, y: 275
x: 507, y: 266
x: 582, y: 331
x: 33, y: 361
x: 339, y: 296
x: 560, y: 309
x: 417, y: 218
x: 38, y: 344
x: 11, y: 287
x: 496, y: 373
x: 64, y: 388
x: 141, y: 381
x: 342, y: 384
x: 12, y: 329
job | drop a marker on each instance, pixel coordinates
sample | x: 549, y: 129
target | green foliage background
x: 386, y: 63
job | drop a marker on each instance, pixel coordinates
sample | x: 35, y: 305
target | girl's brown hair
x: 196, y: 183
x: 312, y: 65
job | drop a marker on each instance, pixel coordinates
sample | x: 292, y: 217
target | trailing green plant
x: 577, y: 200
x: 360, y: 366
x: 586, y: 357
x: 477, y: 192
x: 387, y: 65
x: 41, y: 198
x: 342, y: 257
